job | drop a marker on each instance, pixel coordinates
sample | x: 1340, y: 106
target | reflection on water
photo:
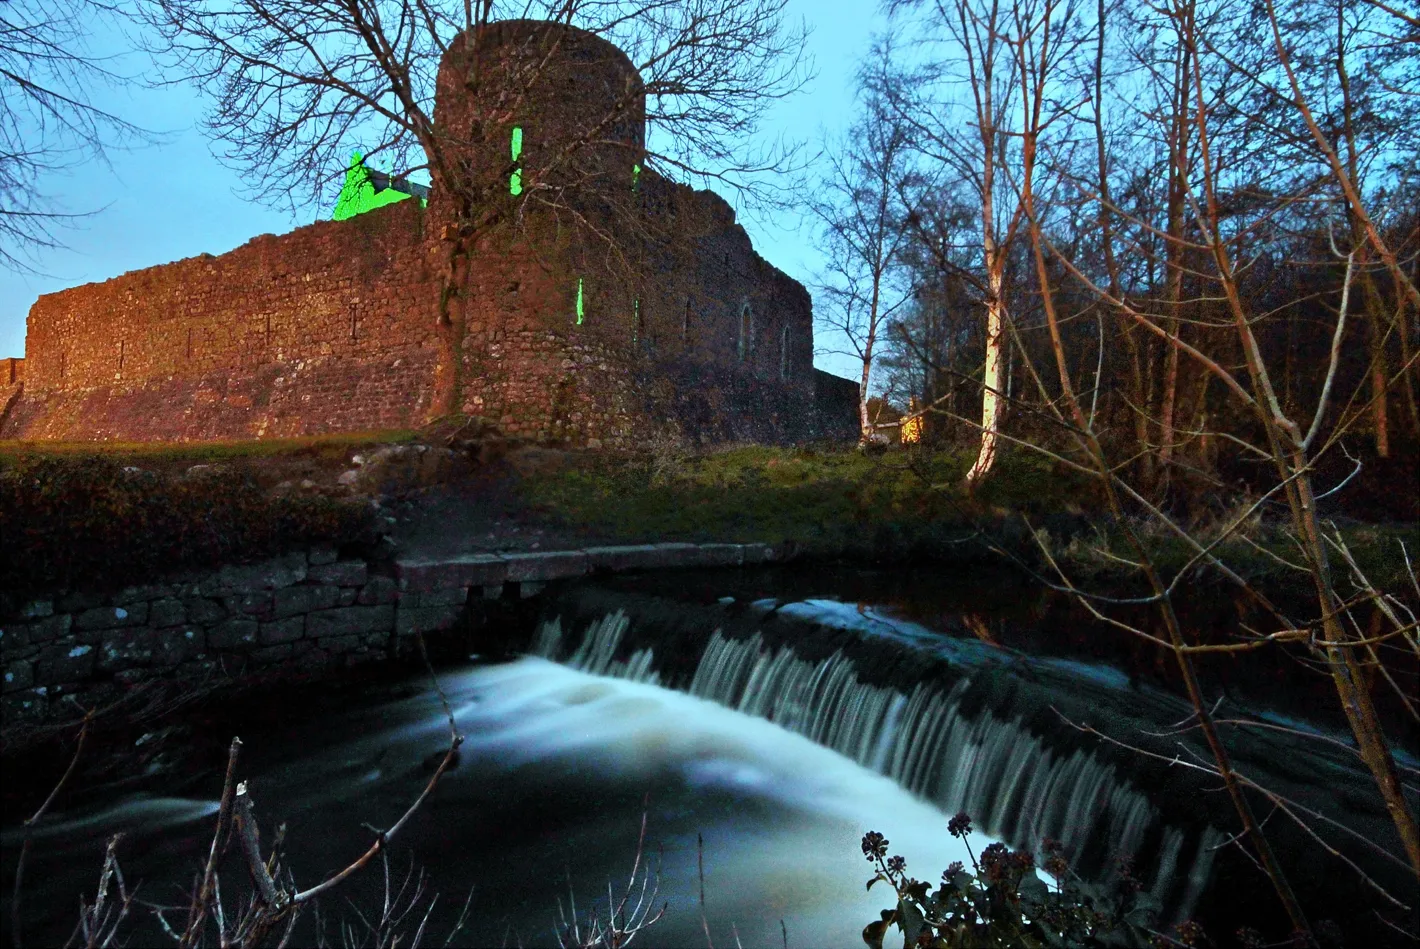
x: 550, y: 784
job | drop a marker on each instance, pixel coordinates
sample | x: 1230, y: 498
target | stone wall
x: 304, y: 612
x: 337, y: 326
x: 328, y: 328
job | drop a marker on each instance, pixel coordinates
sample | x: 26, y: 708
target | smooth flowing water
x: 776, y: 732
x: 545, y: 805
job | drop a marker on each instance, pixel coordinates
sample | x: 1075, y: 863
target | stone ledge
x: 465, y: 571
x: 540, y: 566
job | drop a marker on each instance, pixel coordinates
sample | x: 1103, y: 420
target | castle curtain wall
x: 328, y: 328
x: 684, y: 329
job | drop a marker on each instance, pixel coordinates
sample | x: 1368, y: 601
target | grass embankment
x: 98, y: 517
x: 903, y: 506
x: 85, y: 516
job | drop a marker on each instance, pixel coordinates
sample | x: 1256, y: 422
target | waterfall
x: 1013, y: 784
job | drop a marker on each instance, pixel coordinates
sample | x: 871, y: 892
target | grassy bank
x: 905, y: 506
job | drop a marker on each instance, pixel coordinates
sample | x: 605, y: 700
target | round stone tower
x: 528, y: 104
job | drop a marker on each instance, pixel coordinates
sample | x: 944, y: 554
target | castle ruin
x: 600, y: 305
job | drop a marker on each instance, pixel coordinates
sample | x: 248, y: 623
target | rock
x: 282, y: 631
x: 235, y: 633
x: 423, y: 576
x: 379, y: 590
x: 343, y: 573
x: 108, y: 617
x: 552, y: 565
x: 348, y: 620
x: 18, y: 675
x: 166, y: 612
x: 302, y: 599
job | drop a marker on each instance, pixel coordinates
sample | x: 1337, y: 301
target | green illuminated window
x: 635, y: 177
x: 581, y: 312
x: 364, y: 190
x: 515, y: 180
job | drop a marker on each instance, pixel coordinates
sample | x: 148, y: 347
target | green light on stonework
x: 515, y: 181
x: 358, y: 194
x: 635, y: 177
x: 581, y: 313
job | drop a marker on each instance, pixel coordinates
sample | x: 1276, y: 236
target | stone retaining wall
x: 304, y: 612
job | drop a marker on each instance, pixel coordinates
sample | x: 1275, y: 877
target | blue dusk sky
x: 173, y: 199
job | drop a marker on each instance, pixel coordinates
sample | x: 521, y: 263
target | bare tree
x: 862, y: 227
x: 294, y: 85
x: 48, y: 119
x: 962, y: 106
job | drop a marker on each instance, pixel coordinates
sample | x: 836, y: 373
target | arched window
x: 784, y: 354
x: 746, y: 332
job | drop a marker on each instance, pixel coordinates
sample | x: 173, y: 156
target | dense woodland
x: 1197, y: 208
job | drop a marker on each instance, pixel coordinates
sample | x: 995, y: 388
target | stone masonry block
x: 126, y: 648
x: 282, y: 631
x: 627, y: 557
x: 166, y: 612
x: 204, y: 611
x: 425, y: 619
x: 757, y: 554
x: 719, y: 555
x: 552, y: 565
x: 342, y: 573
x: 423, y: 576
x: 37, y: 609
x: 335, y: 645
x: 454, y: 596
x: 379, y: 590
x: 322, y: 554
x: 239, y: 632
x: 349, y: 620
x: 14, y: 637
x: 147, y: 591
x: 51, y: 627
x: 108, y: 617
x: 18, y: 675
x: 257, y: 603
x: 65, y: 663
x: 272, y: 574
x: 304, y: 598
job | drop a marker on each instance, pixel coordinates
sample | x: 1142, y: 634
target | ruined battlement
x: 672, y: 324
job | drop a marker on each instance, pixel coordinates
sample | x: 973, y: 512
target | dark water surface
x: 759, y: 712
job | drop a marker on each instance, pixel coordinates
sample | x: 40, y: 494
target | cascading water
x: 1013, y: 784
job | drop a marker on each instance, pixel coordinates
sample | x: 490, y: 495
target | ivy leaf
x: 1033, y: 889
x: 910, y: 919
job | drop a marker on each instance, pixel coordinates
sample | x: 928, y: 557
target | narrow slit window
x: 636, y: 322
x: 636, y: 177
x: 784, y: 354
x: 515, y: 180
x: 746, y: 332
x: 685, y: 322
x: 581, y: 310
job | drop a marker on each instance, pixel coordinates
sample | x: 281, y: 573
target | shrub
x: 86, y: 521
x: 1002, y: 902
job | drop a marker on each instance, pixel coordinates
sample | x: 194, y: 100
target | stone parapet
x: 300, y: 611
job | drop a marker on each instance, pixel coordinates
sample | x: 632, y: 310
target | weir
x: 934, y: 737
